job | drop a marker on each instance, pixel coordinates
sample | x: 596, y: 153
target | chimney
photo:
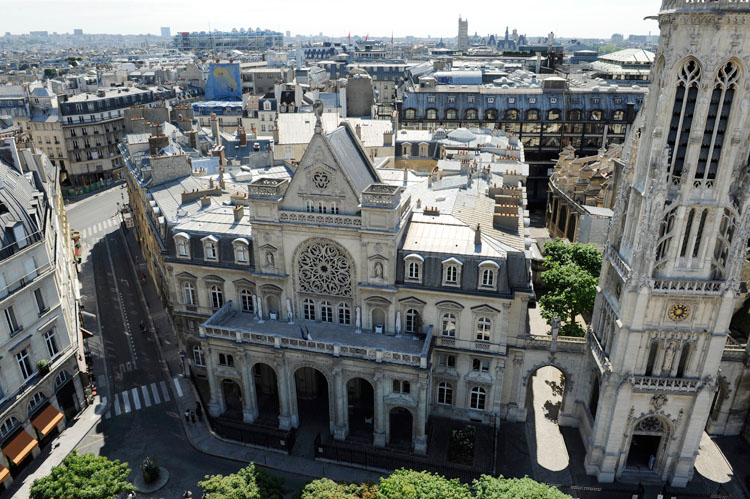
x: 388, y: 138
x: 157, y: 143
x: 478, y: 236
x: 239, y: 212
x: 205, y: 201
x: 222, y: 185
x: 211, y: 183
x: 242, y: 135
x: 193, y: 138
x: 358, y: 130
x: 215, y: 129
x: 218, y: 151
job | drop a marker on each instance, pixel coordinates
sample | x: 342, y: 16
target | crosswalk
x: 101, y: 227
x: 135, y: 399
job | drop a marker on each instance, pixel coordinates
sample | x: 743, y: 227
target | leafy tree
x: 83, y: 476
x: 586, y: 256
x: 324, y: 488
x: 408, y: 484
x: 572, y: 292
x: 488, y: 487
x: 247, y: 483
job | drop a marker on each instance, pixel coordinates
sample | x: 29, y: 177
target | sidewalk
x: 200, y: 436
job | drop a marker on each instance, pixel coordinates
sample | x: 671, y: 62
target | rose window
x: 323, y: 269
x: 321, y: 180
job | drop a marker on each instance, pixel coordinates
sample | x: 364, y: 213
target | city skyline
x: 146, y: 18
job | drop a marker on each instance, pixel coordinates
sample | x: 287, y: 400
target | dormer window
x: 266, y: 105
x: 182, y: 245
x: 405, y: 149
x: 241, y: 252
x: 488, y: 275
x: 210, y: 248
x: 414, y: 264
x: 452, y: 272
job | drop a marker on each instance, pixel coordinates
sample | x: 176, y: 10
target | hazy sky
x: 567, y: 18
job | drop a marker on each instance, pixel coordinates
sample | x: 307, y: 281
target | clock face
x: 678, y: 312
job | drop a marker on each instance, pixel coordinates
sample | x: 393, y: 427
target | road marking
x: 136, y: 399
x: 164, y: 389
x: 177, y: 385
x: 126, y: 401
x: 117, y: 406
x: 99, y: 227
x: 91, y: 443
x: 157, y: 399
x: 146, y: 397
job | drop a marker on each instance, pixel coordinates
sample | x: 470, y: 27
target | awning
x: 4, y: 473
x: 20, y: 447
x: 47, y: 420
x: 85, y: 333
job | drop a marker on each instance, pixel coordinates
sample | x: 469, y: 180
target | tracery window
x: 682, y: 114
x: 716, y: 121
x: 324, y: 269
x: 650, y: 425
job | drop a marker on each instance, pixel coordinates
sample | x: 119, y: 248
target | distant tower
x: 166, y: 32
x: 676, y: 246
x: 463, y: 34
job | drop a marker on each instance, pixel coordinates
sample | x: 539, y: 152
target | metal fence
x: 256, y: 435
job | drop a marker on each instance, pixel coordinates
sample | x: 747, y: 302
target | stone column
x: 214, y: 401
x: 697, y: 417
x: 285, y: 418
x: 31, y: 431
x: 249, y: 400
x: 498, y: 395
x: 341, y: 428
x: 420, y: 439
x: 379, y: 416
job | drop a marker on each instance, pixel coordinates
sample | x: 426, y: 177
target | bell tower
x: 675, y: 249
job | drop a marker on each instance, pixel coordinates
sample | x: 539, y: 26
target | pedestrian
x: 192, y: 417
x: 651, y: 462
x: 187, y: 415
x: 198, y: 410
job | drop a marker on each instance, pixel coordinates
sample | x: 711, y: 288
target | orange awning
x: 20, y: 447
x: 47, y: 420
x: 4, y: 473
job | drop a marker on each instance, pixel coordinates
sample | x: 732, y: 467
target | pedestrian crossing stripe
x: 151, y: 394
x: 99, y: 227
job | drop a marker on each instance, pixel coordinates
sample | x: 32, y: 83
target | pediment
x: 485, y: 309
x: 185, y: 275
x: 377, y: 300
x: 412, y: 300
x: 213, y: 278
x: 243, y: 283
x: 449, y: 304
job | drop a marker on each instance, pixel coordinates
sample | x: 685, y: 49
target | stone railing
x: 705, y: 4
x: 560, y: 344
x: 654, y: 383
x: 381, y: 196
x: 320, y: 218
x: 270, y: 188
x: 484, y: 346
x: 684, y: 286
x: 618, y: 263
x: 598, y: 352
x: 734, y: 353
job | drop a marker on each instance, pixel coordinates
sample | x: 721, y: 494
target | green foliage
x: 42, y: 366
x: 150, y: 470
x: 83, y: 476
x: 406, y: 484
x: 461, y: 445
x: 608, y: 49
x: 324, y: 488
x: 247, y: 483
x: 489, y: 487
x: 572, y: 273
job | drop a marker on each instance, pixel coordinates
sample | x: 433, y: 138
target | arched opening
x: 545, y: 399
x: 653, y: 350
x: 400, y: 423
x: 571, y: 231
x: 684, y: 358
x: 267, y: 394
x: 646, y: 445
x: 361, y: 407
x: 232, y: 399
x: 312, y: 396
x: 378, y: 319
x: 594, y: 395
x: 273, y: 306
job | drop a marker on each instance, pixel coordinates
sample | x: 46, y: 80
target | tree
x: 408, y: 484
x: 247, y: 483
x: 83, y: 476
x: 586, y: 256
x: 488, y: 487
x: 324, y: 488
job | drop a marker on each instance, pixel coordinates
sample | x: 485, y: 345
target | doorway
x: 400, y: 421
x: 642, y: 447
x: 232, y: 399
x: 361, y: 407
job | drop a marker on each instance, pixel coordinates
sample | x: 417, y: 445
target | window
x: 431, y: 114
x: 412, y: 321
x: 322, y: 207
x: 484, y: 325
x: 445, y: 393
x: 401, y: 386
x: 449, y: 325
x: 511, y: 114
x: 51, y: 342
x: 188, y: 292
x: 716, y: 123
x: 470, y: 99
x: 246, y: 299
x: 451, y: 274
x: 326, y: 312
x: 471, y: 114
x: 217, y: 297
x: 532, y: 115
x: 414, y: 270
x: 451, y: 100
x: 431, y: 99
x: 345, y: 313
x: 618, y: 115
x: 490, y: 114
x: 480, y: 365
x: 574, y: 115
x: 209, y: 247
x: 24, y: 364
x: 8, y: 426
x: 226, y: 360
x: 445, y: 360
x: 553, y: 115
x: 309, y: 206
x: 240, y: 252
x: 335, y: 207
x: 36, y: 400
x: 595, y: 100
x: 308, y: 309
x: 532, y: 100
x: 490, y: 100
x: 478, y: 398
x: 198, y: 356
x: 410, y: 114
x: 451, y: 114
x: 596, y: 115
x: 488, y: 278
x: 10, y: 317
x: 40, y: 305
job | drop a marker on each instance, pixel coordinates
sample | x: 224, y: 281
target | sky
x: 336, y: 18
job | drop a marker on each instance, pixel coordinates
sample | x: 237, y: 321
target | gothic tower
x: 675, y: 249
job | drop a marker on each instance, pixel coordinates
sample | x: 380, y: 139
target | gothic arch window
x: 324, y: 269
x: 686, y: 94
x: 716, y: 122
x: 651, y: 424
x: 652, y: 353
x: 688, y: 230
x: 308, y: 309
x: 699, y: 234
x: 665, y: 237
x: 684, y: 359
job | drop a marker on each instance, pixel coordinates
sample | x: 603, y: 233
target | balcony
x: 303, y: 217
x: 482, y: 346
x: 684, y: 286
x: 658, y: 384
x: 331, y: 339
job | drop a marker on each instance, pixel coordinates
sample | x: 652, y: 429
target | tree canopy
x: 83, y: 476
x: 247, y: 483
x: 488, y: 487
x: 571, y: 275
x: 408, y: 484
x: 325, y: 488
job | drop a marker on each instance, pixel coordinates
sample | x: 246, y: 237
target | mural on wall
x: 224, y: 83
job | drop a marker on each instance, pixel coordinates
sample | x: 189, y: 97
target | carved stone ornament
x: 650, y: 424
x: 321, y: 180
x: 658, y: 401
x: 324, y: 269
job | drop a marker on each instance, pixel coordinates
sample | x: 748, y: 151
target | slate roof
x: 352, y: 157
